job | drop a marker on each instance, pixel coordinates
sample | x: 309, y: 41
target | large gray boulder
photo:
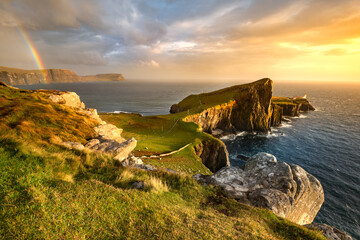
x: 287, y: 190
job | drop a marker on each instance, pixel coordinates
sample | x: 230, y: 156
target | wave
x: 285, y: 125
x: 233, y: 136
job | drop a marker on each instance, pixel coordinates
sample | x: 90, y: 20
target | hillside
x: 53, y: 192
x: 15, y: 76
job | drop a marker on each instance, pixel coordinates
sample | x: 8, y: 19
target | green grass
x: 50, y: 192
x: 163, y: 134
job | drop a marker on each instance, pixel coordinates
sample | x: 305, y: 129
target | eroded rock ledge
x: 287, y: 190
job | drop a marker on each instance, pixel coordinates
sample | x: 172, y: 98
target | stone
x: 120, y: 151
x: 138, y: 185
x: 109, y: 131
x: 287, y: 190
x: 145, y: 167
x: 73, y: 145
x: 329, y: 232
x: 70, y: 99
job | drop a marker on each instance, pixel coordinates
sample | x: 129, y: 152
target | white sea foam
x: 285, y: 125
x: 239, y: 134
x: 228, y: 137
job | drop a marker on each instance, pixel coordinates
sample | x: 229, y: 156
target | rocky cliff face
x: 287, y: 190
x: 292, y: 106
x: 13, y: 76
x: 213, y: 154
x: 244, y: 108
x: 37, y: 76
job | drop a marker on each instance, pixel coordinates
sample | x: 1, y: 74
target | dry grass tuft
x: 125, y: 176
x: 157, y: 185
x: 65, y: 177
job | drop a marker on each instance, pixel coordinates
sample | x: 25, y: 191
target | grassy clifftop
x: 50, y: 192
x: 198, y: 102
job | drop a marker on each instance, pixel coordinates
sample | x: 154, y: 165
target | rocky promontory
x: 14, y: 76
x: 247, y: 107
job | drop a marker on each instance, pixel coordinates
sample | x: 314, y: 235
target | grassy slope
x: 50, y: 192
x: 163, y: 134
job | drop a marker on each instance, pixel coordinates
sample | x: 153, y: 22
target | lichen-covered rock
x: 329, y: 232
x: 109, y: 131
x: 120, y: 151
x: 70, y: 99
x: 287, y: 190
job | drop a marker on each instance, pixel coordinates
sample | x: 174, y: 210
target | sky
x: 186, y: 40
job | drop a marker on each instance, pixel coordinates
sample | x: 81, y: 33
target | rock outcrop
x: 120, y: 151
x: 13, y: 76
x: 239, y: 108
x: 292, y: 106
x: 287, y: 190
x: 329, y: 232
x: 213, y: 154
x: 108, y: 136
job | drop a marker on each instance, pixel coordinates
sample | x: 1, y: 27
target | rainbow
x: 33, y: 51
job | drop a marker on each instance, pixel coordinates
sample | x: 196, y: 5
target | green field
x: 163, y: 134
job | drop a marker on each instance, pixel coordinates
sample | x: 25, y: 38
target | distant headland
x: 15, y: 76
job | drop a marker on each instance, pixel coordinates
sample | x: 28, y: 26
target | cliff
x: 239, y: 108
x: 248, y: 107
x: 14, y: 76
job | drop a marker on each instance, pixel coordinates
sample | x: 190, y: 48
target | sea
x: 325, y: 142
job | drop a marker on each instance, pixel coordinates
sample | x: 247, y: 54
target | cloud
x: 192, y: 37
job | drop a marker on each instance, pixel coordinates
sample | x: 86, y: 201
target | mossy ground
x: 50, y: 192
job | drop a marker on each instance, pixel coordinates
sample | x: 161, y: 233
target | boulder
x: 287, y: 190
x: 109, y: 131
x: 70, y: 99
x: 73, y: 145
x: 119, y: 151
x: 329, y: 232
